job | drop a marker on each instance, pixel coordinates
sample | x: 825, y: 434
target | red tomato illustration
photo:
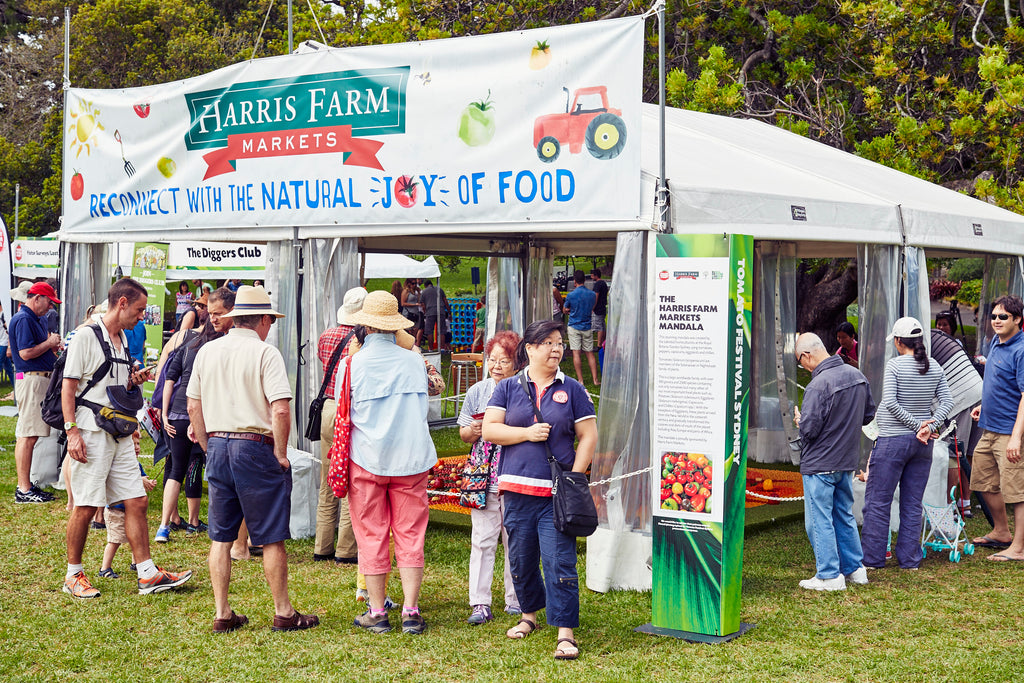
x: 406, y: 191
x: 77, y: 186
x: 142, y: 109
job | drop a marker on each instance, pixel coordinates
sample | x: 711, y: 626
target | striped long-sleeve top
x: 907, y: 397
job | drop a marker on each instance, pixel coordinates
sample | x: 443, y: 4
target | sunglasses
x: 1000, y: 316
x: 199, y: 305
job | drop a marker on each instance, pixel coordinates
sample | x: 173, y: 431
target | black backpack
x: 53, y: 411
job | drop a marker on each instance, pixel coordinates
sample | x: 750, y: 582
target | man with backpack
x: 33, y: 349
x: 101, y: 457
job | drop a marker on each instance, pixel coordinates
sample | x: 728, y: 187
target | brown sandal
x: 562, y: 654
x: 296, y: 622
x: 521, y: 634
x: 232, y: 623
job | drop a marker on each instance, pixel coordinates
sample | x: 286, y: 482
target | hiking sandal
x: 516, y: 634
x: 572, y: 652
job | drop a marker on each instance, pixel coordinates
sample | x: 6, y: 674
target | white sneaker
x: 816, y: 584
x: 858, y: 576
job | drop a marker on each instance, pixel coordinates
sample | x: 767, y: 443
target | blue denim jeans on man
x: 904, y: 461
x: 831, y: 528
x: 532, y: 541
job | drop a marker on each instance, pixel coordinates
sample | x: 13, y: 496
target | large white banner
x: 539, y: 125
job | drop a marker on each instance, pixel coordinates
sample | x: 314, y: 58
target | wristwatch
x: 69, y: 425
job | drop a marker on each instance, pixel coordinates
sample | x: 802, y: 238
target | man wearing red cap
x: 34, y: 349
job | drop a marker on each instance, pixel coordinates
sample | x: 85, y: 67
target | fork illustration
x: 128, y: 167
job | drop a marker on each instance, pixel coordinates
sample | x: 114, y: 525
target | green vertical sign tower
x: 701, y: 370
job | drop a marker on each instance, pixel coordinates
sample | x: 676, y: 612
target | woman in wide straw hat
x: 391, y: 455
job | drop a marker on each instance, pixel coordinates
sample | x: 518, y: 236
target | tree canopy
x: 934, y: 88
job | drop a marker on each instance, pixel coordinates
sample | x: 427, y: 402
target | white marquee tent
x: 794, y: 196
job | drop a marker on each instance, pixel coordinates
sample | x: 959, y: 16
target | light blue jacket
x: 390, y: 436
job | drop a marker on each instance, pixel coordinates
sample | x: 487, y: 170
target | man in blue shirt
x: 33, y: 349
x: 580, y: 307
x: 998, y: 471
x: 136, y: 337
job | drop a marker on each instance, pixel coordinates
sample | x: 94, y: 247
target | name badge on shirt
x: 560, y: 397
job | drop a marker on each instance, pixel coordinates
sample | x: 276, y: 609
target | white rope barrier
x: 773, y: 498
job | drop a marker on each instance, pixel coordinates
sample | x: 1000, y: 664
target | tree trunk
x: 825, y: 287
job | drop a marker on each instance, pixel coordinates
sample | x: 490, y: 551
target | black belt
x: 247, y: 436
x: 41, y: 373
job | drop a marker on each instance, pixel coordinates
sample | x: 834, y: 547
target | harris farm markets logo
x: 313, y: 114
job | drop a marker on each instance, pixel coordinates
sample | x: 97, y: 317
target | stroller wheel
x: 954, y: 555
x: 968, y: 548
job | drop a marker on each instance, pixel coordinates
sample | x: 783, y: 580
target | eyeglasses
x: 800, y: 357
x: 548, y: 344
x: 504, y: 362
x: 1000, y: 316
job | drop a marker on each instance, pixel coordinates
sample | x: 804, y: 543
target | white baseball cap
x: 907, y: 328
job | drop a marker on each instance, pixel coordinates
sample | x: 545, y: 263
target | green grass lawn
x: 946, y: 622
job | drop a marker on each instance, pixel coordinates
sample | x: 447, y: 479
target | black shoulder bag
x: 575, y: 512
x: 316, y: 408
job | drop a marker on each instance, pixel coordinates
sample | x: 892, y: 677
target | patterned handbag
x: 476, y: 475
x: 342, y: 443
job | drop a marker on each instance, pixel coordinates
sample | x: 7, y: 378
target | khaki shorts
x: 114, y: 520
x: 30, y: 390
x: 581, y: 340
x: 991, y: 472
x: 109, y: 475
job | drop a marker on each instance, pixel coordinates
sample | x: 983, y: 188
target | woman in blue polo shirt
x: 524, y: 479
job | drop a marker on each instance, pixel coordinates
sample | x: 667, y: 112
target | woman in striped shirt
x: 915, y: 401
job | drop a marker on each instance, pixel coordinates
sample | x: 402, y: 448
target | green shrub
x: 967, y: 269
x: 970, y: 292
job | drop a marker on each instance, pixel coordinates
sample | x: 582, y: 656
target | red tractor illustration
x: 589, y: 120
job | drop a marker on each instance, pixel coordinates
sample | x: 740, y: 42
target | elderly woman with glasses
x: 524, y: 478
x: 486, y: 507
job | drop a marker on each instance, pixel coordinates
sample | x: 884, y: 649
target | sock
x: 72, y: 570
x: 147, y: 569
x: 410, y: 611
x: 965, y: 503
x: 377, y: 612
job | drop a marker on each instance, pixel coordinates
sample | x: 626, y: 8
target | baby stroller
x: 944, y: 530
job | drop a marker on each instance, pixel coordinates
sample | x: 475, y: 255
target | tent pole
x: 290, y: 47
x: 662, y: 198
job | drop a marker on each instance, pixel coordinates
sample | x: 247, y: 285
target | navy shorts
x: 245, y: 480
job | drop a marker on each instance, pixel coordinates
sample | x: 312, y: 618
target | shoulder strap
x: 333, y: 363
x: 104, y: 367
x: 536, y: 411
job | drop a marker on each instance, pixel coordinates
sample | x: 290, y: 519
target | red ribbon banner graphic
x: 328, y: 140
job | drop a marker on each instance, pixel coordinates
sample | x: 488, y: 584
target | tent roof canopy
x: 745, y: 176
x: 725, y: 175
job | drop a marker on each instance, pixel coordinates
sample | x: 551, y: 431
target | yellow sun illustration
x: 84, y: 125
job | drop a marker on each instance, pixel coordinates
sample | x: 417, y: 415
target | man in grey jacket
x: 837, y: 402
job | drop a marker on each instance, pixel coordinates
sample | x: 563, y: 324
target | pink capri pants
x: 383, y: 507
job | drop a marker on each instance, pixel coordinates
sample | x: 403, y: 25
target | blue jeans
x: 905, y: 461
x: 532, y: 541
x: 831, y: 528
x: 7, y: 365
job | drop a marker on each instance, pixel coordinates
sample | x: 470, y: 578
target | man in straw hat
x: 103, y: 469
x: 332, y: 515
x: 239, y: 403
x: 391, y: 455
x: 33, y: 349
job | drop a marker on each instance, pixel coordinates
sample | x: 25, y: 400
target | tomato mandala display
x: 686, y: 482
